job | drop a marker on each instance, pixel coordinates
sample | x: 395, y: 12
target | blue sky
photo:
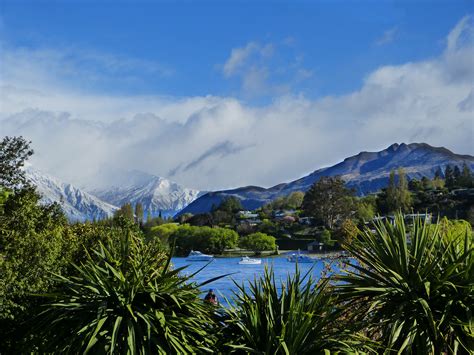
x: 337, y: 42
x: 222, y: 94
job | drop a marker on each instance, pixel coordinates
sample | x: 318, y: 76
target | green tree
x: 398, y: 197
x: 206, y: 239
x: 230, y: 204
x: 348, y: 232
x: 329, y: 201
x: 366, y: 208
x: 257, y: 242
x: 326, y: 237
x: 465, y: 180
x: 449, y: 177
x: 139, y: 212
x: 126, y: 211
x: 14, y: 151
x: 163, y: 232
x: 456, y: 175
x: 33, y: 244
x: 295, y: 200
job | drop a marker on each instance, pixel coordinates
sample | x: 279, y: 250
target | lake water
x: 242, y: 273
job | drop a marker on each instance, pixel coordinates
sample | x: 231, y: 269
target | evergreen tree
x: 456, y: 175
x: 14, y: 151
x: 438, y: 173
x: 125, y: 211
x: 449, y: 176
x: 139, y: 212
x: 465, y: 179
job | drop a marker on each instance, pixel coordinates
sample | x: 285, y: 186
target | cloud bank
x: 212, y: 142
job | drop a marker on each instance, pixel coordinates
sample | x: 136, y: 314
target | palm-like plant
x: 126, y: 299
x: 299, y: 317
x: 412, y: 288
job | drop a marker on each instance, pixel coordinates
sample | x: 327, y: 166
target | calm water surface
x: 242, y: 273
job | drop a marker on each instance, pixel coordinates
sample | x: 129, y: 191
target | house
x: 247, y: 215
x: 306, y: 220
x: 280, y: 214
x: 315, y: 246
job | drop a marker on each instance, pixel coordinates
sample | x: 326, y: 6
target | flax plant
x: 411, y: 287
x: 126, y: 299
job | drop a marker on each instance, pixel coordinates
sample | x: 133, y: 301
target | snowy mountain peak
x: 77, y: 204
x: 156, y: 194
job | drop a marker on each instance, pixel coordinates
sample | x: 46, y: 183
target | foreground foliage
x: 126, y: 299
x: 295, y: 316
x: 412, y: 289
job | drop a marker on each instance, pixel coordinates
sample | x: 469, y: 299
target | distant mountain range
x: 156, y: 194
x: 366, y: 172
x: 78, y: 205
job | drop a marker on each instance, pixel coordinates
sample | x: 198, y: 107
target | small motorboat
x: 300, y: 258
x: 248, y: 261
x: 198, y: 256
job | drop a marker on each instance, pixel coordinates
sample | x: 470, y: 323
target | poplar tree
x: 139, y: 212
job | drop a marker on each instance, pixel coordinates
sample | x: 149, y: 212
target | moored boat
x: 248, y: 261
x: 198, y: 256
x: 300, y: 258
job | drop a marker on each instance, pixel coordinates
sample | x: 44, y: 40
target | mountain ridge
x: 77, y: 204
x: 366, y: 172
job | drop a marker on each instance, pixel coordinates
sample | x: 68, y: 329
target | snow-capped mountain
x: 77, y: 204
x: 156, y: 194
x: 366, y: 172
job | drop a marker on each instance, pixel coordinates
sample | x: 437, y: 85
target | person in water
x: 211, y: 298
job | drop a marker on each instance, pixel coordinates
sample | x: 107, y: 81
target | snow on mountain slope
x: 156, y: 194
x: 78, y: 205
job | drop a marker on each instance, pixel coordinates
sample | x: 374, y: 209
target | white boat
x: 300, y: 258
x: 248, y: 261
x: 198, y: 256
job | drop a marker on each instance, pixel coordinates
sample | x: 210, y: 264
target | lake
x: 242, y: 273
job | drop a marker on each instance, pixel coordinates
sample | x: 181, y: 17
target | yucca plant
x: 125, y: 299
x: 298, y: 317
x: 412, y: 288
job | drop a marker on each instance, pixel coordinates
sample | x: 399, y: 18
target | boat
x: 248, y: 261
x: 198, y: 256
x: 300, y: 258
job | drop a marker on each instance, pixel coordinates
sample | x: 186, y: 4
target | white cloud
x: 256, y: 67
x: 387, y: 37
x: 240, y: 56
x: 219, y: 142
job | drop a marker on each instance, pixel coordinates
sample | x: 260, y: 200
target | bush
x: 206, y: 239
x: 257, y: 242
x: 412, y: 289
x: 126, y: 299
x: 296, y: 317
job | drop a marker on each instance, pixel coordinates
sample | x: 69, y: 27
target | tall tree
x: 456, y: 175
x: 139, y: 212
x: 465, y: 179
x: 398, y: 196
x: 329, y: 201
x: 14, y: 151
x: 125, y: 211
x: 449, y: 176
